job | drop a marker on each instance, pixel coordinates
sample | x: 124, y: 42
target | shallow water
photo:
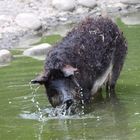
x: 26, y: 113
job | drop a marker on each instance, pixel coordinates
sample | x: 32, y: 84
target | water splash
x: 52, y: 113
x: 33, y: 100
x: 58, y: 111
x: 82, y: 101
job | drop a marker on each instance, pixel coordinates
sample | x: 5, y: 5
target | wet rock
x: 66, y: 5
x: 5, y: 57
x: 88, y: 3
x: 131, y: 19
x: 38, y: 51
x: 28, y: 20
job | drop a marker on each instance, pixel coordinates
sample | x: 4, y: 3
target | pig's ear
x: 68, y: 70
x: 41, y: 79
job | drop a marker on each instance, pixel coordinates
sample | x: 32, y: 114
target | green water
x: 21, y: 110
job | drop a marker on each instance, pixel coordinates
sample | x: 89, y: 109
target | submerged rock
x: 131, y: 19
x: 28, y: 20
x: 38, y: 51
x: 66, y: 5
x: 5, y: 57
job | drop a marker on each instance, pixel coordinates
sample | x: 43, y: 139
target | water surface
x: 25, y: 112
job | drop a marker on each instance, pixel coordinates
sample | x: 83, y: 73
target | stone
x: 28, y: 20
x: 5, y: 57
x: 5, y: 20
x: 130, y: 1
x: 64, y: 5
x: 121, y: 5
x: 63, y: 19
x: 38, y: 51
x: 115, y: 7
x: 82, y: 10
x: 88, y: 3
x: 131, y: 19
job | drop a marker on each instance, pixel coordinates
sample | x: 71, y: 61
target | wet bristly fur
x: 90, y: 47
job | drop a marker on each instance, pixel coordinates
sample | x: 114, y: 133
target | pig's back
x: 89, y: 47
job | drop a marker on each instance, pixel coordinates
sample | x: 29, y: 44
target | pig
x: 90, y: 56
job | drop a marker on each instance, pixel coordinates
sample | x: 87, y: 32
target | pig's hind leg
x: 114, y: 75
x: 111, y: 83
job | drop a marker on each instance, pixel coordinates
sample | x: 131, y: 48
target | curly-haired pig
x: 90, y: 56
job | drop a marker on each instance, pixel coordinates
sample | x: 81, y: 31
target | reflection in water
x: 100, y: 121
x: 119, y: 116
x: 38, y: 134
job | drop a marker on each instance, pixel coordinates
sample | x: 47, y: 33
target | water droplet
x: 98, y: 118
x: 137, y: 113
x: 82, y: 102
x: 33, y: 100
x: 82, y: 113
x: 25, y: 98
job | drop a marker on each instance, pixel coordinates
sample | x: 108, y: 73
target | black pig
x: 90, y: 56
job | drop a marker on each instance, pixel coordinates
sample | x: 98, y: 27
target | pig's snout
x: 69, y: 103
x: 68, y: 100
x: 58, y: 99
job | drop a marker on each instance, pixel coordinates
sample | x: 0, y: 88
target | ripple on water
x: 50, y: 113
x: 57, y: 113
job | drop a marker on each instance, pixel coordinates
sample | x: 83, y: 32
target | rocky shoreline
x: 23, y: 22
x: 26, y: 18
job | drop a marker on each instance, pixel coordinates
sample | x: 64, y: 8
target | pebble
x: 28, y: 20
x: 64, y: 5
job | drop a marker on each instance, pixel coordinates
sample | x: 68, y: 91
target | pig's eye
x: 56, y: 74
